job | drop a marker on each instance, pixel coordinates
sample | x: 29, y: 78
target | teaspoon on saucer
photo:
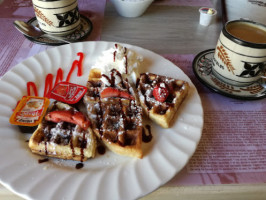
x: 34, y: 32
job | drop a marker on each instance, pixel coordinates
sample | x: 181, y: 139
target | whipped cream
x: 125, y: 61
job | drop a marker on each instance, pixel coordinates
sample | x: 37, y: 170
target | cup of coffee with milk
x: 57, y: 17
x: 240, y: 53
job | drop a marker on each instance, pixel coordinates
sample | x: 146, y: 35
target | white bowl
x: 131, y: 8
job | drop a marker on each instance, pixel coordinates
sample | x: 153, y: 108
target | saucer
x: 202, y: 67
x: 81, y: 33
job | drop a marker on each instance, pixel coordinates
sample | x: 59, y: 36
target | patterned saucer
x: 81, y: 33
x: 202, y: 67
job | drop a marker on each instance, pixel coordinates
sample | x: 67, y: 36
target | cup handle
x: 264, y: 72
x: 263, y: 79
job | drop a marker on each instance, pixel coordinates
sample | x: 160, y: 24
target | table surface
x: 170, y: 30
x: 162, y: 29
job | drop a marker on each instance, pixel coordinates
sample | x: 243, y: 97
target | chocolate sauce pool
x: 43, y: 160
x: 101, y: 149
x: 79, y: 165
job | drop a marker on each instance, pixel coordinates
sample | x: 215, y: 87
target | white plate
x: 108, y: 176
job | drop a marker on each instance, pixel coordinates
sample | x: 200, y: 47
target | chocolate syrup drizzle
x: 99, y: 119
x: 43, y: 160
x: 120, y: 139
x: 115, y: 55
x: 46, y: 152
x: 146, y: 137
x: 111, y: 80
x: 83, y: 146
x: 126, y: 67
x: 71, y: 144
x: 125, y: 56
x: 163, y: 107
x: 48, y: 136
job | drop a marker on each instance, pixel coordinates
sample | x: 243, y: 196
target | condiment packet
x: 66, y: 92
x: 29, y: 111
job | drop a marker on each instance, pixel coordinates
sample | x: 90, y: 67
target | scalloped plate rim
x: 186, y: 152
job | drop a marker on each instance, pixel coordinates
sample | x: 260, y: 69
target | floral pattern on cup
x: 68, y: 18
x: 251, y: 69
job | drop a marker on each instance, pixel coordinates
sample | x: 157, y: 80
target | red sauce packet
x: 67, y: 92
x: 29, y: 111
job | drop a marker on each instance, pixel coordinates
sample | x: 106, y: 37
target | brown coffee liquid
x: 247, y: 32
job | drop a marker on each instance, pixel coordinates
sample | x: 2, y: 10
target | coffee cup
x: 240, y: 54
x: 58, y: 17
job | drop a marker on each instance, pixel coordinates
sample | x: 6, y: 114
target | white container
x: 131, y: 8
x: 205, y: 17
x: 60, y: 17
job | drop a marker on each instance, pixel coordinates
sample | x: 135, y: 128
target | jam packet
x: 29, y: 111
x: 66, y: 92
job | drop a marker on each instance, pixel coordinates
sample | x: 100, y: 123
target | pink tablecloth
x: 232, y: 148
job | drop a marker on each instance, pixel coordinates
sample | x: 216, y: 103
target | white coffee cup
x: 58, y: 17
x: 240, y: 54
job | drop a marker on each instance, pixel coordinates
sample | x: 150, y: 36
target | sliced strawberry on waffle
x: 161, y: 96
x: 64, y: 133
x: 160, y: 92
x: 114, y: 92
x: 67, y: 116
x: 114, y: 113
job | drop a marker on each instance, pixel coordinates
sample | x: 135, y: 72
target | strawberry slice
x: 81, y: 120
x: 59, y: 115
x: 160, y: 92
x: 113, y: 92
x: 67, y: 116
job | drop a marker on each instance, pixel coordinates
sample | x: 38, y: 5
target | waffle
x: 116, y: 121
x: 63, y: 139
x: 162, y: 113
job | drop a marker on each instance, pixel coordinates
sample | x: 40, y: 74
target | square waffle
x: 63, y: 139
x: 116, y: 121
x: 162, y: 113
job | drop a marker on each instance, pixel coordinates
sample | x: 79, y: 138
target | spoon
x: 34, y: 32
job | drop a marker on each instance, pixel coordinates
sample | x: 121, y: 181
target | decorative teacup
x: 240, y: 54
x: 59, y: 17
